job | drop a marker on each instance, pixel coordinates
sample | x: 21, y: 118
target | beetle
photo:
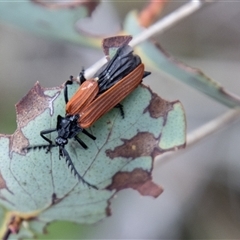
x: 94, y: 97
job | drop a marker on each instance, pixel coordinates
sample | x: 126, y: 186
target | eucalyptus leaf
x: 51, y: 19
x: 39, y: 188
x: 156, y: 57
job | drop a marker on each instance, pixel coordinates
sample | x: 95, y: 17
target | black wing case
x: 122, y: 63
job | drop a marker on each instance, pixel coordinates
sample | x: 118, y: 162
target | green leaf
x: 155, y: 56
x: 39, y: 188
x: 50, y: 19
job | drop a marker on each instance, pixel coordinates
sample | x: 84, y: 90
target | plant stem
x: 159, y: 27
x: 202, y: 132
x: 168, y: 21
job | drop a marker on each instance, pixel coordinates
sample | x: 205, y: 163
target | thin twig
x: 202, y: 132
x: 159, y: 27
x: 168, y: 21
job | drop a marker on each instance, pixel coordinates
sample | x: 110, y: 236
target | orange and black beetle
x: 95, y: 97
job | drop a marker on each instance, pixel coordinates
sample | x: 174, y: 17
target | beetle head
x: 60, y: 141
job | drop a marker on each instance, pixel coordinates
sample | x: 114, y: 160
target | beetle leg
x: 120, y: 106
x: 88, y: 134
x: 42, y: 133
x: 145, y: 74
x: 81, y: 76
x: 81, y: 142
x: 68, y: 82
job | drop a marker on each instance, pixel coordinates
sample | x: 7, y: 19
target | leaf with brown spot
x: 38, y: 187
x: 139, y: 180
x: 121, y: 156
x: 140, y: 145
x: 110, y: 45
x: 26, y: 108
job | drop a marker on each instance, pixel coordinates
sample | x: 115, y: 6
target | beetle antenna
x: 39, y: 147
x: 73, y: 169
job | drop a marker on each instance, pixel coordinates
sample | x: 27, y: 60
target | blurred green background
x: 201, y: 197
